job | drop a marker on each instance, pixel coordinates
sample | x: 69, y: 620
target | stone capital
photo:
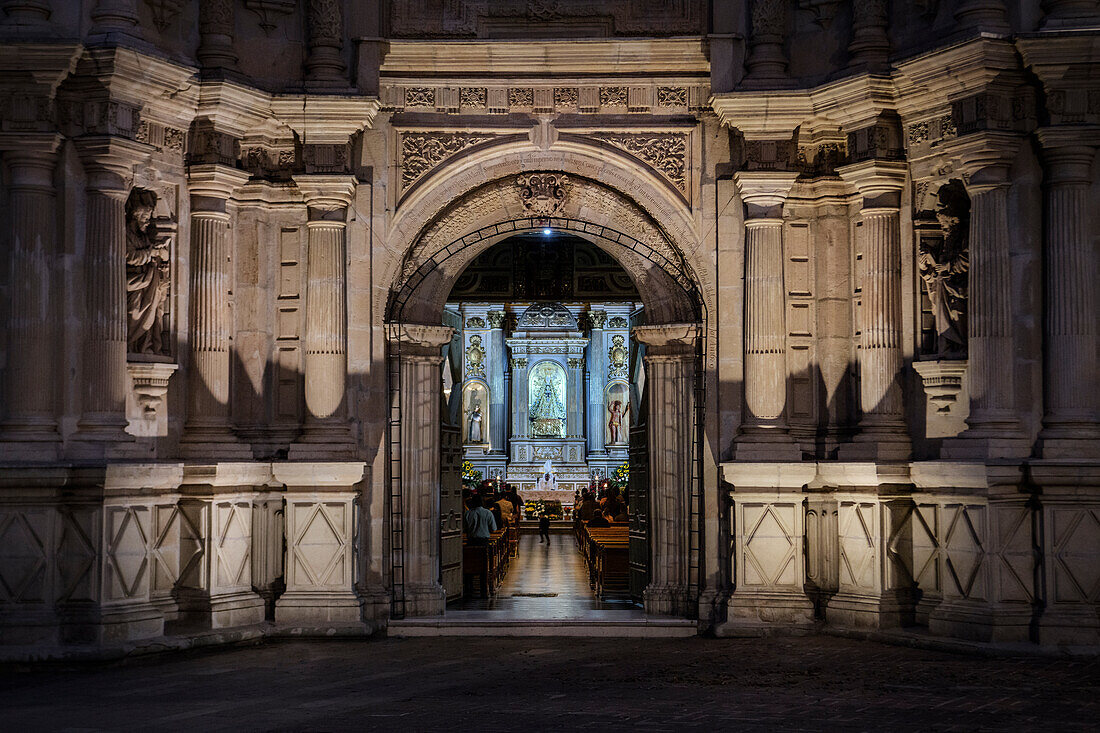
x: 668, y: 338
x: 418, y: 336
x: 764, y: 189
x: 325, y: 119
x: 109, y: 161
x: 1068, y: 153
x: 986, y: 157
x: 326, y: 192
x: 214, y: 180
x: 875, y: 177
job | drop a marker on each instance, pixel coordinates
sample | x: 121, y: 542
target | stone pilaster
x: 870, y: 47
x: 326, y: 427
x: 670, y: 371
x: 994, y: 426
x: 103, y: 415
x: 520, y: 427
x: 325, y: 62
x: 767, y: 62
x: 985, y: 16
x: 30, y: 431
x: 216, y: 49
x: 419, y: 350
x: 575, y: 381
x: 1071, y: 415
x: 208, y: 433
x: 498, y: 383
x: 596, y: 380
x: 882, y: 428
x: 764, y: 433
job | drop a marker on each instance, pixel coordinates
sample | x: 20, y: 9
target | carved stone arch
x: 426, y: 207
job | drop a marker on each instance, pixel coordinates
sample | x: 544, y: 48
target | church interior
x: 721, y: 318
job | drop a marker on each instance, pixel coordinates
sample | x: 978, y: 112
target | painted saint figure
x: 614, y: 423
x: 147, y: 275
x: 473, y: 424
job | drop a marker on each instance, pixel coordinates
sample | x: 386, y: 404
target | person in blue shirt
x: 480, y: 522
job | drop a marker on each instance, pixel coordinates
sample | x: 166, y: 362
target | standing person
x: 544, y: 528
x: 480, y: 523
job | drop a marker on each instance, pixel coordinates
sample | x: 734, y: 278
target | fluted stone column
x: 419, y: 349
x: 670, y: 381
x: 216, y: 47
x: 596, y: 380
x: 870, y: 46
x: 103, y: 416
x: 208, y: 432
x: 325, y: 62
x: 326, y: 433
x: 1071, y: 415
x: 520, y: 427
x: 882, y: 426
x: 987, y: 16
x: 30, y: 428
x: 498, y: 383
x: 993, y: 424
x: 767, y: 62
x: 764, y: 433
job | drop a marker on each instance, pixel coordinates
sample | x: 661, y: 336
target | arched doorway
x: 674, y: 342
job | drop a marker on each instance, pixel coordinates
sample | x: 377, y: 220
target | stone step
x: 444, y: 626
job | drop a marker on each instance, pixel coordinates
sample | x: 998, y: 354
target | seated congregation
x: 494, y: 518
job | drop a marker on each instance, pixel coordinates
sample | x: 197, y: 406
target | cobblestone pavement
x: 439, y: 684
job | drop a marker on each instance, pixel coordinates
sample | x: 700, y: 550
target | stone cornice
x: 232, y: 108
x: 109, y: 160
x: 928, y: 83
x: 214, y: 180
x: 164, y: 91
x: 419, y: 335
x: 324, y: 119
x: 875, y: 177
x: 310, y: 476
x: 551, y: 58
x: 36, y: 68
x: 667, y: 335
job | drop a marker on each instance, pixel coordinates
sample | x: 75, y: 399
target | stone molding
x: 419, y: 336
x: 327, y: 192
x: 670, y: 338
x: 214, y: 180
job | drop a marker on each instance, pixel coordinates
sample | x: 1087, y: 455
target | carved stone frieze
x: 326, y: 158
x: 672, y: 96
x: 469, y: 18
x: 94, y: 117
x: 423, y: 151
x: 521, y: 97
x: 164, y: 139
x: 519, y: 363
x: 542, y: 194
x: 565, y: 97
x: 475, y: 322
x: 821, y: 159
x: 665, y: 152
x: 419, y: 97
x: 207, y: 145
x: 1000, y: 111
x: 617, y: 322
x: 472, y: 97
x: 613, y: 96
x: 265, y: 162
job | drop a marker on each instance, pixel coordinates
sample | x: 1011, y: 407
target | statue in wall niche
x: 147, y: 275
x: 615, y: 422
x: 944, y: 266
x: 473, y: 423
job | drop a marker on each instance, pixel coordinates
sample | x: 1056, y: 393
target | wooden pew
x: 488, y: 563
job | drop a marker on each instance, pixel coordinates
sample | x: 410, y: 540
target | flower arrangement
x: 621, y: 477
x: 471, y: 477
x: 552, y: 507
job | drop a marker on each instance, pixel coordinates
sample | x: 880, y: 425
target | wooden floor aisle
x: 546, y: 581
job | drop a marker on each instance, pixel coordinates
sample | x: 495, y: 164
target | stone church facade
x: 864, y: 235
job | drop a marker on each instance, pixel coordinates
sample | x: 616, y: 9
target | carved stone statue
x: 147, y: 275
x: 473, y: 423
x: 944, y: 267
x: 615, y: 421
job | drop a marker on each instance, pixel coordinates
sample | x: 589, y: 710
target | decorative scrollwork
x: 542, y: 194
x: 665, y: 152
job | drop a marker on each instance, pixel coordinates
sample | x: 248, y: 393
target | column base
x: 665, y: 600
x: 1070, y: 626
x: 19, y: 448
x: 887, y: 611
x: 757, y: 444
x: 101, y: 435
x: 315, y: 608
x: 1070, y: 441
x: 213, y: 443
x: 877, y: 444
x: 131, y: 623
x: 770, y: 607
x: 981, y: 620
x: 322, y: 441
x: 425, y: 600
x: 985, y: 447
x: 242, y: 608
